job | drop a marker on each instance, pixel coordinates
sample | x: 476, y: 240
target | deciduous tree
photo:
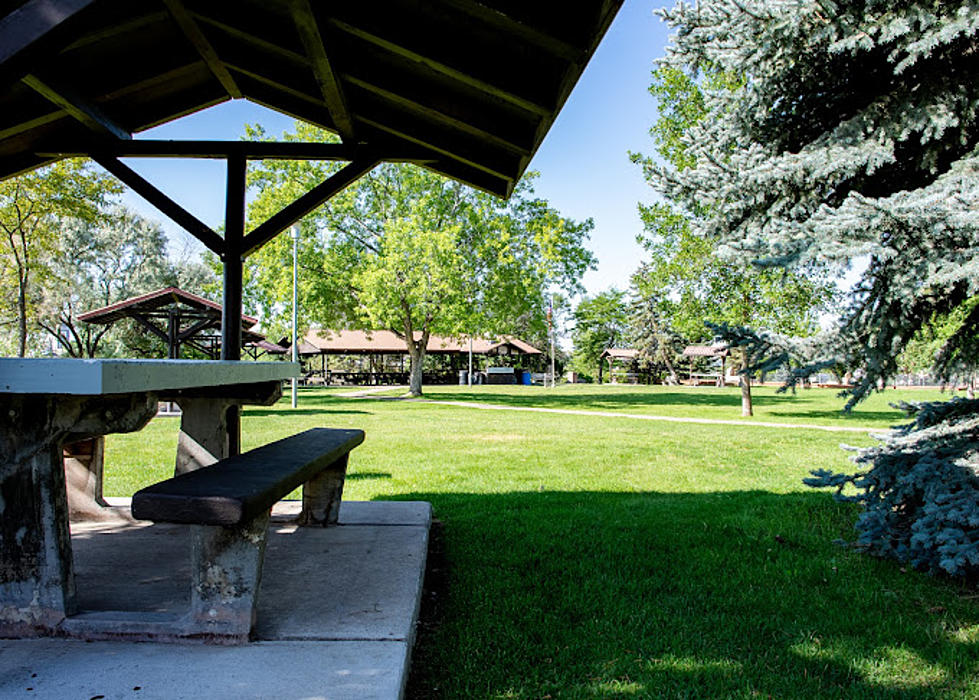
x: 410, y: 251
x: 33, y: 206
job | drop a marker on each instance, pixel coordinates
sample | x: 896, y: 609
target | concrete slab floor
x: 336, y: 614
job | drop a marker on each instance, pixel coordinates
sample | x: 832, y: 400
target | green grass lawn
x: 592, y: 557
x: 810, y: 406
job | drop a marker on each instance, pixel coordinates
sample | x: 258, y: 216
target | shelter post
x: 234, y: 233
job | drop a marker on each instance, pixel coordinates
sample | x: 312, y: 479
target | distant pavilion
x: 381, y: 355
x: 179, y: 318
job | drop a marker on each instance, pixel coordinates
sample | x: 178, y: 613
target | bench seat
x: 237, y: 489
x: 228, y: 506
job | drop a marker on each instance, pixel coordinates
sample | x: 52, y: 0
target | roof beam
x: 458, y: 151
x: 499, y: 20
x: 436, y: 115
x: 151, y: 194
x: 207, y: 53
x: 455, y: 74
x: 88, y: 113
x: 33, y: 21
x: 326, y: 78
x: 275, y: 224
x: 255, y: 41
x: 253, y: 150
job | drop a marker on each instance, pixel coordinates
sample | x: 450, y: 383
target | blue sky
x: 583, y: 161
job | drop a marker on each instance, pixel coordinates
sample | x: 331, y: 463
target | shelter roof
x: 468, y: 88
x: 154, y: 301
x: 351, y: 342
x: 706, y: 351
x: 620, y: 353
x: 519, y: 345
x: 269, y: 347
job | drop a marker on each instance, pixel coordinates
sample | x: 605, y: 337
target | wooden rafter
x: 292, y: 213
x: 88, y: 113
x: 207, y: 53
x: 32, y: 22
x: 499, y: 20
x: 154, y: 196
x: 253, y: 150
x: 458, y: 152
x: 438, y: 66
x: 435, y: 115
x: 326, y: 78
x: 255, y: 41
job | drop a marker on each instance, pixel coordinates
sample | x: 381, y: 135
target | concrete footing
x: 336, y: 613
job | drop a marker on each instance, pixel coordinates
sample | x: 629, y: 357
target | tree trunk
x: 672, y: 378
x: 22, y: 316
x: 745, y: 383
x: 416, y: 352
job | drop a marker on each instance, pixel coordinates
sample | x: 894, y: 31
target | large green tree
x: 600, y: 322
x: 855, y: 135
x: 410, y: 251
x: 97, y: 263
x: 33, y: 208
x: 685, y: 283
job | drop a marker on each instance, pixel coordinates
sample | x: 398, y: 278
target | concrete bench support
x: 226, y: 571
x: 322, y: 495
x: 228, y: 504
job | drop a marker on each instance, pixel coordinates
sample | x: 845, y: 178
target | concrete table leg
x: 226, y: 576
x: 37, y: 587
x: 322, y: 494
x: 203, y: 437
x: 84, y: 468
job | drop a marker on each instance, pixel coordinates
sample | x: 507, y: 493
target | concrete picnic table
x: 48, y: 403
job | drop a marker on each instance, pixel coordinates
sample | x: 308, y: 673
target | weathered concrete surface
x: 55, y: 669
x: 352, y: 582
x: 336, y: 615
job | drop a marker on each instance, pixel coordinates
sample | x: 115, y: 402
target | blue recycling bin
x: 525, y: 378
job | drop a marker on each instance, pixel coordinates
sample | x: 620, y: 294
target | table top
x: 96, y: 377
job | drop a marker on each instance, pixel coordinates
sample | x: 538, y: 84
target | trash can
x: 525, y: 378
x: 463, y: 377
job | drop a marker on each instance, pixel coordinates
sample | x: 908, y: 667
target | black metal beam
x: 207, y: 53
x: 292, y: 213
x: 312, y: 40
x: 167, y: 206
x: 88, y: 113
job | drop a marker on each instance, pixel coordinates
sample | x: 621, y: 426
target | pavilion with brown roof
x: 385, y: 354
x: 180, y: 318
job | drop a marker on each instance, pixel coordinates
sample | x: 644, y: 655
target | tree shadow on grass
x: 856, y: 416
x: 734, y: 594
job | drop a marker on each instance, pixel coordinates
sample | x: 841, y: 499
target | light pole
x: 551, y: 331
x: 295, y: 309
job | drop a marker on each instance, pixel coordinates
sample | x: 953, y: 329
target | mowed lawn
x: 597, y: 557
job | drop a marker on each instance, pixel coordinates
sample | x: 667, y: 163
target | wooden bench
x: 228, y: 506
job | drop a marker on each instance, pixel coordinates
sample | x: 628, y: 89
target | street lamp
x: 295, y: 309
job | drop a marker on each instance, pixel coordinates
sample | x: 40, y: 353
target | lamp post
x: 295, y: 309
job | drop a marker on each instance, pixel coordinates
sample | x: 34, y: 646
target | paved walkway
x: 367, y: 391
x: 667, y: 419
